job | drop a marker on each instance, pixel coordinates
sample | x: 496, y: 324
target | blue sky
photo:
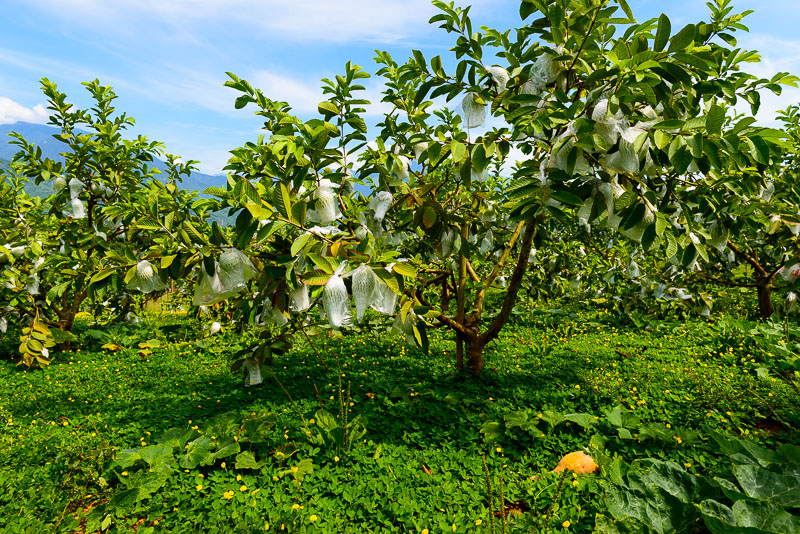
x: 166, y: 59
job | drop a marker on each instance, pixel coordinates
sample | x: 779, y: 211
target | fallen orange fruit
x: 578, y: 462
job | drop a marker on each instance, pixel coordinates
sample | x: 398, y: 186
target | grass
x: 418, y: 467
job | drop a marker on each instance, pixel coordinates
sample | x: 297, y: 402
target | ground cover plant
x: 165, y: 438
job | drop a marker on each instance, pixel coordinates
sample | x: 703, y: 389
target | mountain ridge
x: 42, y: 136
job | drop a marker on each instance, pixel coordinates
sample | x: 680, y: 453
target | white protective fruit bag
x: 380, y: 205
x: 235, y: 270
x: 146, y: 280
x: 253, y: 372
x: 365, y: 289
x: 299, y: 298
x: 474, y: 112
x: 335, y: 301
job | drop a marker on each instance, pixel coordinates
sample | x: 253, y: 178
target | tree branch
x: 516, y: 280
x: 479, y: 299
x: 752, y: 261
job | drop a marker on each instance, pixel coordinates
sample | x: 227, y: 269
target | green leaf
x: 127, y: 457
x: 459, y: 151
x: 759, y: 149
x: 148, y: 223
x: 747, y: 517
x: 166, y: 261
x: 682, y: 39
x: 758, y: 483
x: 565, y: 197
x: 327, y: 108
x: 715, y: 119
x: 246, y: 460
x: 389, y: 279
x: 198, y: 452
x: 215, y: 191
x: 701, y: 250
x: 428, y: 217
x: 626, y: 8
x: 227, y: 447
x: 287, y: 202
x: 672, y: 245
x: 661, y: 224
x: 404, y: 269
x: 492, y: 431
x: 583, y: 420
x: 176, y: 438
x: 478, y: 158
x: 299, y: 243
x: 157, y: 454
x: 663, y: 33
x: 102, y: 275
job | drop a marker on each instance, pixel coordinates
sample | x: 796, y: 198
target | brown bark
x: 475, y: 355
x: 459, y: 351
x: 765, y: 307
x: 514, y: 284
x: 476, y: 341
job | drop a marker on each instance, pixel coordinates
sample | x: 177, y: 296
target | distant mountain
x: 42, y: 136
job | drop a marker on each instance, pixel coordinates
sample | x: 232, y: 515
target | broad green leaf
x: 715, y: 119
x: 287, y: 202
x: 246, y: 460
x: 478, y: 158
x: 584, y: 420
x: 663, y: 33
x: 492, y: 431
x: 758, y: 149
x: 626, y: 9
x: 428, y: 217
x: 672, y: 245
x: 759, y: 483
x: 148, y: 223
x: 299, y: 243
x: 157, y: 454
x: 198, y: 452
x: 405, y: 269
x: 748, y: 517
x: 176, y: 438
x: 127, y: 457
x: 166, y: 261
x: 227, y: 447
x: 102, y: 275
x: 565, y: 197
x: 327, y: 108
x: 459, y: 151
x: 683, y: 39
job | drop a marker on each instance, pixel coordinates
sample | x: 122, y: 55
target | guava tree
x: 755, y: 233
x: 99, y: 221
x: 615, y: 122
x: 309, y: 241
x: 619, y: 123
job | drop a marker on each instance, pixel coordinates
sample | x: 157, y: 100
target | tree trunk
x: 765, y: 308
x: 475, y: 355
x: 65, y: 321
x: 459, y: 351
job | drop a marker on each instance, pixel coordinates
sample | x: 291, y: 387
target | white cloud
x: 777, y: 55
x: 303, y: 96
x: 321, y: 20
x: 11, y: 112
